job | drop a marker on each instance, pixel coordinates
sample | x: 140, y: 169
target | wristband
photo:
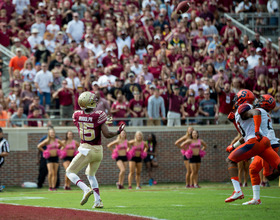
x: 236, y: 144
x: 257, y: 122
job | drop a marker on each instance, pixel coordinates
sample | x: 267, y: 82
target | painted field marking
x: 88, y: 210
x: 20, y: 198
x: 120, y: 206
x: 177, y: 205
x: 234, y: 204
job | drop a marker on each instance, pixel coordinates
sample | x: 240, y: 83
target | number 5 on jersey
x: 86, y: 131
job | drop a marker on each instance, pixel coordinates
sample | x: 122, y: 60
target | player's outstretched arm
x: 110, y: 134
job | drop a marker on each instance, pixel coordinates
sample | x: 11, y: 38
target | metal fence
x: 248, y: 23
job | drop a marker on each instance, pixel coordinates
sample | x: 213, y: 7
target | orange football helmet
x: 267, y: 102
x: 243, y: 96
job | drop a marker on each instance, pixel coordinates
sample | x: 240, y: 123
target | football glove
x: 230, y: 148
x: 231, y: 117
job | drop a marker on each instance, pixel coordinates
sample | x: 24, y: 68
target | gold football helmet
x: 87, y: 100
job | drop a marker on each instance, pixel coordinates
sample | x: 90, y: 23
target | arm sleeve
x: 150, y: 108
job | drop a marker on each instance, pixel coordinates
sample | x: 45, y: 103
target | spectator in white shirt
x: 34, y: 40
x: 209, y: 30
x: 49, y: 42
x: 253, y: 59
x: 197, y: 85
x: 75, y: 29
x: 122, y: 40
x: 107, y: 80
x: 20, y: 5
x: 97, y: 48
x: 72, y: 79
x: 43, y: 82
x: 53, y: 27
x: 136, y: 67
x: 39, y: 25
x: 87, y: 42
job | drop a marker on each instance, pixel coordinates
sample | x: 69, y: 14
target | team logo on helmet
x: 267, y: 102
x: 243, y: 96
x: 87, y: 100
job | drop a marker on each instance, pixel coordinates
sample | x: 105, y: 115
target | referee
x: 4, y: 151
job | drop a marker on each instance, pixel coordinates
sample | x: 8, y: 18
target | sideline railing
x: 43, y: 122
x: 249, y: 28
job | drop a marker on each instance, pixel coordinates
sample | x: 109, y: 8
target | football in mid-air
x: 183, y: 7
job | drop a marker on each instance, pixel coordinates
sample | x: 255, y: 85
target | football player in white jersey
x: 248, y: 121
x: 265, y: 104
x: 90, y: 124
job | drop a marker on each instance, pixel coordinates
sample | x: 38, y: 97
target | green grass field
x: 163, y: 201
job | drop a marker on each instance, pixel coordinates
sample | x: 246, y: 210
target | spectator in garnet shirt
x: 65, y: 96
x: 137, y: 109
x: 4, y: 35
x: 35, y: 115
x: 115, y: 66
x: 185, y: 69
x: 225, y: 100
x: 119, y: 109
x: 175, y: 103
x: 190, y: 107
x: 199, y: 41
x: 108, y: 58
x: 154, y: 68
x: 273, y: 70
x: 261, y: 68
x: 42, y: 112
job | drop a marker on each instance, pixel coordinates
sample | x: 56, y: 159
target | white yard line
x: 19, y: 198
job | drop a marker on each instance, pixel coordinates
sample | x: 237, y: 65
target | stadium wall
x: 21, y: 164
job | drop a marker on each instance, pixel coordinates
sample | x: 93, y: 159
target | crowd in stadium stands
x: 141, y: 58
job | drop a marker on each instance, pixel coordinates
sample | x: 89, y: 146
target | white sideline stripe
x: 88, y: 210
x: 234, y: 204
x: 20, y: 198
x: 177, y: 205
x: 120, y: 206
x: 187, y: 193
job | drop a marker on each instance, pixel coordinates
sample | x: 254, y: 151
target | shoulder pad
x: 244, y: 108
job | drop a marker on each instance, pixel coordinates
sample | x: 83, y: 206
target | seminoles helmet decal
x: 267, y: 102
x: 87, y: 100
x: 243, y: 96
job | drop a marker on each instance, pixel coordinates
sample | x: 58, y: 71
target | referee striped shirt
x: 4, y: 147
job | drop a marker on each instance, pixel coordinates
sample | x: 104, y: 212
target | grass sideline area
x: 162, y: 201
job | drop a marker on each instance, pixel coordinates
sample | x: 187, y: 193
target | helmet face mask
x: 87, y: 100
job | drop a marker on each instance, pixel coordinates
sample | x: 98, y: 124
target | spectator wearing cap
x: 18, y: 119
x: 122, y: 40
x: 208, y: 108
x: 175, y: 104
x: 42, y: 54
x: 108, y: 58
x: 39, y: 25
x: 107, y: 80
x: 115, y: 90
x: 43, y: 83
x: 41, y: 12
x: 220, y: 74
x: 4, y: 35
x: 75, y: 29
x: 253, y: 59
x: 65, y: 97
x: 261, y: 68
x: 224, y: 31
x: 119, y: 109
x: 209, y: 30
x: 156, y: 108
x: 34, y: 40
x: 137, y: 109
x: 198, y: 84
x: 246, y: 51
x: 205, y: 13
x: 79, y: 8
x: 199, y: 41
x: 131, y: 87
x: 243, y: 64
x: 161, y: 21
x: 156, y: 43
x: 16, y: 63
x: 17, y: 44
x: 225, y: 100
x: 53, y: 28
x: 257, y: 41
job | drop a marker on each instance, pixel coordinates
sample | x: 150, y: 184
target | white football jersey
x: 246, y: 127
x: 266, y: 127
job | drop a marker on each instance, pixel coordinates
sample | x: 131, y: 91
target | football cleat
x: 253, y: 202
x: 87, y: 194
x: 235, y: 196
x: 98, y: 204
